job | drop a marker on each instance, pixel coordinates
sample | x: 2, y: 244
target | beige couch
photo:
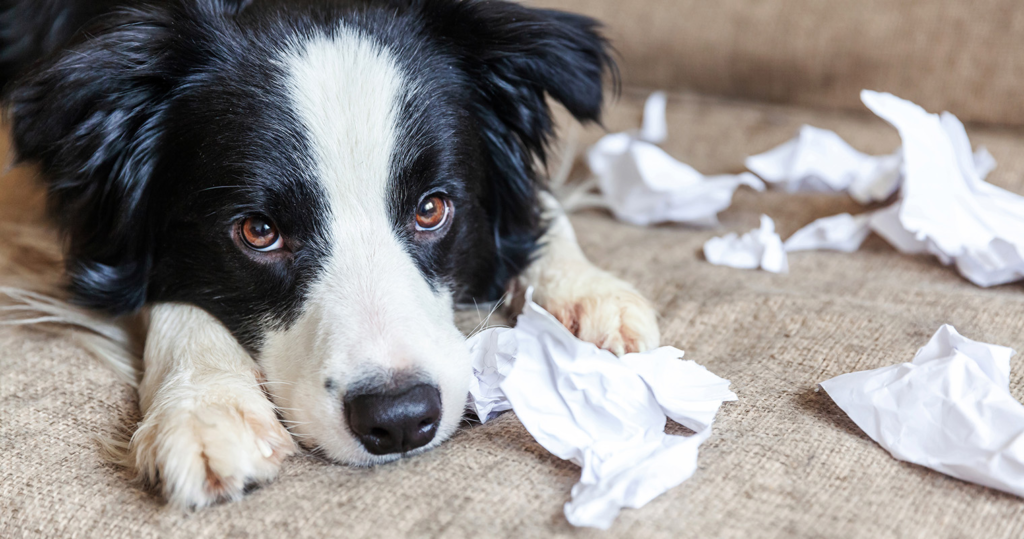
x: 783, y: 461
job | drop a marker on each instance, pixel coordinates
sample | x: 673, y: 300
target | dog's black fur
x: 157, y: 126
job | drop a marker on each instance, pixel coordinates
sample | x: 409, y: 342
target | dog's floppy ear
x: 91, y: 116
x: 520, y: 53
x: 515, y: 57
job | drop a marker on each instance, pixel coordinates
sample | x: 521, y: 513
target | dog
x: 296, y: 194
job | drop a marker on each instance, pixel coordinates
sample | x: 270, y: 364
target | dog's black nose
x: 395, y: 423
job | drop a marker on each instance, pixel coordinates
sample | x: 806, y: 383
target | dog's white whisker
x: 483, y: 325
x: 32, y: 321
x: 276, y: 383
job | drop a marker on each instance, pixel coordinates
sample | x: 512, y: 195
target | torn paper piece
x: 606, y: 414
x: 984, y: 161
x: 886, y: 223
x: 945, y: 206
x: 950, y: 410
x: 818, y: 160
x: 642, y: 184
x: 843, y: 232
x: 688, y: 393
x: 493, y: 352
x: 759, y: 248
x: 655, y: 124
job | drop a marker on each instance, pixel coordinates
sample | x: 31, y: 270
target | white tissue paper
x: 601, y: 412
x: 642, y: 184
x: 818, y: 160
x: 654, y: 126
x: 843, y: 232
x: 493, y: 352
x: 759, y: 248
x: 946, y: 208
x: 950, y: 410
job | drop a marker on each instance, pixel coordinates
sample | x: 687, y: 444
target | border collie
x: 296, y: 194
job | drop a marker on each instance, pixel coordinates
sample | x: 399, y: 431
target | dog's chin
x: 367, y: 460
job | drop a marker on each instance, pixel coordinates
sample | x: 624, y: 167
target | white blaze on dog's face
x: 372, y: 326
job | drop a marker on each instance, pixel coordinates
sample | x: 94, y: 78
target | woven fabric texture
x: 965, y: 57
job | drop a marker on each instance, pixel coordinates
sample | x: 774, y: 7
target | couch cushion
x: 783, y: 460
x: 965, y: 57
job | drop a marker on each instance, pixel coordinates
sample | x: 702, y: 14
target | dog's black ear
x: 91, y: 112
x: 90, y: 116
x: 516, y: 56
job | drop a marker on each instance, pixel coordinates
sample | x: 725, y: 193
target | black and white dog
x: 298, y: 192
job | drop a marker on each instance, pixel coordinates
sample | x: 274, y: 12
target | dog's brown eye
x: 432, y: 213
x: 260, y: 234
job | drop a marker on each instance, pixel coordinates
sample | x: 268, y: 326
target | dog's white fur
x: 371, y: 312
x: 209, y: 427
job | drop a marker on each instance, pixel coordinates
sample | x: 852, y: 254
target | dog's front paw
x: 600, y: 308
x: 205, y: 447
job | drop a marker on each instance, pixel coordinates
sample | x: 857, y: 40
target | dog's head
x: 325, y: 180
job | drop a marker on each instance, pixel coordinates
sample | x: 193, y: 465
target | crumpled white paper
x: 642, y: 184
x: 945, y: 207
x: 818, y: 160
x: 843, y: 232
x: 654, y: 128
x: 948, y: 209
x: 494, y: 352
x: 759, y: 248
x: 603, y: 413
x: 950, y: 410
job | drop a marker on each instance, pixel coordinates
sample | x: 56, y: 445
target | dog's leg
x: 208, y: 430
x: 595, y: 305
